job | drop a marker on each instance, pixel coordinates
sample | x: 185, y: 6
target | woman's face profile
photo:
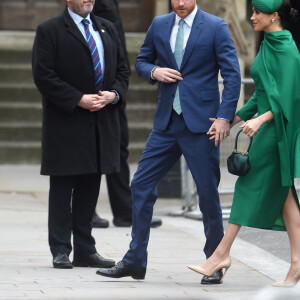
x: 261, y: 21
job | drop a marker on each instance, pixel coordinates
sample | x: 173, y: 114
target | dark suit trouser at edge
x: 162, y: 150
x: 81, y: 193
x: 118, y: 183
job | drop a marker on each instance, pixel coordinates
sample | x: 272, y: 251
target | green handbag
x: 238, y: 162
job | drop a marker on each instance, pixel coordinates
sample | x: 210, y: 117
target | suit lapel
x: 194, y: 35
x: 166, y: 32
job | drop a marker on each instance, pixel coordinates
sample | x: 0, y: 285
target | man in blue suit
x: 190, y: 48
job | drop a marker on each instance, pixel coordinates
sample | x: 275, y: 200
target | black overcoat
x: 72, y: 137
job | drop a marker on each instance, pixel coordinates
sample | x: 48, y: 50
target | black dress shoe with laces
x: 122, y: 269
x: 213, y: 279
x: 61, y: 261
x: 99, y: 222
x: 120, y: 222
x: 93, y: 260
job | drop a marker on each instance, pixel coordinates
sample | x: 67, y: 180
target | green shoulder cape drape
x: 281, y: 73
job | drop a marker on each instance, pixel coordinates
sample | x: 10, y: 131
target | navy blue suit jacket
x: 210, y: 49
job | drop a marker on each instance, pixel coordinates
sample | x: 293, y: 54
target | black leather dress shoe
x: 119, y: 222
x: 99, y: 222
x: 93, y: 260
x: 122, y: 269
x: 61, y: 261
x: 156, y: 222
x: 213, y: 279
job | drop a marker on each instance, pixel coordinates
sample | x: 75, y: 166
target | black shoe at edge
x: 119, y: 222
x: 122, y: 269
x: 213, y: 279
x: 99, y: 222
x: 92, y: 260
x: 62, y: 261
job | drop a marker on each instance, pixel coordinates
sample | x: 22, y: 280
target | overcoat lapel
x: 194, y: 35
x: 73, y: 29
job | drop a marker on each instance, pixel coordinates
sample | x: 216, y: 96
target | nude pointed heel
x: 288, y: 283
x: 223, y: 265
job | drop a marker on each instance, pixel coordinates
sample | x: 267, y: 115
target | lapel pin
x: 103, y: 30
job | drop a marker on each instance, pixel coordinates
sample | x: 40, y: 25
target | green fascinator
x: 267, y: 6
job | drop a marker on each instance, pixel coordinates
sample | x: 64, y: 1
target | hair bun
x: 296, y: 5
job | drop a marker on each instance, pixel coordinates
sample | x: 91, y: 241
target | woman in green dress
x: 265, y: 197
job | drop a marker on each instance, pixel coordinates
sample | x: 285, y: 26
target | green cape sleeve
x: 280, y: 75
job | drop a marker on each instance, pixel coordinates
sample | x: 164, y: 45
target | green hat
x: 267, y: 6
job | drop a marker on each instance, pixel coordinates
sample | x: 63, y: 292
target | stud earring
x: 273, y: 20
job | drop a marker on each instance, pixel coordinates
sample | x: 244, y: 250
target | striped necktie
x: 178, y: 53
x: 95, y: 56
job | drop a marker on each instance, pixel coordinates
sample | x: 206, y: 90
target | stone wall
x: 27, y: 14
x: 137, y: 15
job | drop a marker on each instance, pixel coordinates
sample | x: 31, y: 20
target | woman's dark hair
x: 288, y: 15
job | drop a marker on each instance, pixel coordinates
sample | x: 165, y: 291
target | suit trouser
x: 118, y: 183
x: 72, y: 203
x: 162, y: 150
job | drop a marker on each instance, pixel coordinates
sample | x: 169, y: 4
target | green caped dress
x: 274, y: 157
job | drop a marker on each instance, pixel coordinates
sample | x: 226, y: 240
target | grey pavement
x: 26, y: 271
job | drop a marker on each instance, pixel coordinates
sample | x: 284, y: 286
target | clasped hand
x: 219, y: 130
x: 219, y: 133
x: 94, y: 102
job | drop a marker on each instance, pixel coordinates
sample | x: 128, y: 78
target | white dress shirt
x: 187, y: 27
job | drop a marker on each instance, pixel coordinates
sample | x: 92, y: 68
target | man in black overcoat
x: 81, y: 130
x: 118, y: 183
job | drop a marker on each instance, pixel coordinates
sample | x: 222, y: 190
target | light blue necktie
x: 178, y: 53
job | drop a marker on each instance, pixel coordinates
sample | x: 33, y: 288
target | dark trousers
x: 118, y: 183
x: 162, y: 150
x: 72, y: 202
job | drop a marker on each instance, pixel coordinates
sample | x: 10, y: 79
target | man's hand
x: 167, y: 75
x: 96, y: 102
x: 106, y: 98
x: 88, y: 101
x: 219, y: 130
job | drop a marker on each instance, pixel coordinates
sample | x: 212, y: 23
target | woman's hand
x: 251, y: 127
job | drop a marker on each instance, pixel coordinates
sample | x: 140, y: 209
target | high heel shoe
x: 288, y: 283
x: 222, y: 265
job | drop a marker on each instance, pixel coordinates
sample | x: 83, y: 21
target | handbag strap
x: 236, y: 142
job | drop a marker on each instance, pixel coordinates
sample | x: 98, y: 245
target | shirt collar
x: 189, y: 19
x: 77, y: 19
